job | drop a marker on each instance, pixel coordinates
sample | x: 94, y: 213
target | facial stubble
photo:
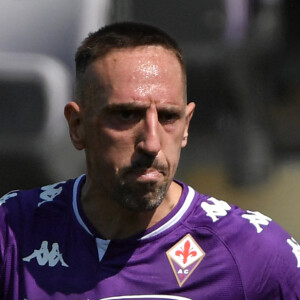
x: 139, y: 197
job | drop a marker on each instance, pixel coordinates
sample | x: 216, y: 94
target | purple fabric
x: 205, y: 249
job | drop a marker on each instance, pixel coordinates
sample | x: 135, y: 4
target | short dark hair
x: 121, y: 36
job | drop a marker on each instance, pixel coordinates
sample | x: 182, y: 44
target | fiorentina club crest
x: 184, y: 258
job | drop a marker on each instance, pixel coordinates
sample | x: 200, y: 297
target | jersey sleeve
x: 8, y: 258
x: 268, y: 258
x: 285, y: 273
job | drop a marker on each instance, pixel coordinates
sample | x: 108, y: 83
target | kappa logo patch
x: 44, y: 256
x: 184, y: 257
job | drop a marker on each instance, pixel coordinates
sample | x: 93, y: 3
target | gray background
x: 243, y: 73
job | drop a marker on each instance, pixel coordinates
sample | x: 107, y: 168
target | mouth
x: 145, y: 175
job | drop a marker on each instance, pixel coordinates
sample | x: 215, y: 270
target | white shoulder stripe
x: 188, y: 200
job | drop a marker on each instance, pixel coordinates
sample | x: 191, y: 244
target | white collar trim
x: 188, y: 200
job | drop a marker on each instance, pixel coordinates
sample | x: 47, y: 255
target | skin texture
x: 132, y: 124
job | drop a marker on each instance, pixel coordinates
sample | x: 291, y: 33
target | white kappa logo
x: 7, y: 196
x: 257, y: 219
x: 44, y: 256
x: 218, y: 208
x: 50, y: 192
x: 296, y: 249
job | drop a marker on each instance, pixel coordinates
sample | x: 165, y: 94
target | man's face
x: 134, y: 124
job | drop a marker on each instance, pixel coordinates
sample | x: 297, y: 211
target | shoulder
x: 20, y: 205
x: 267, y: 257
x: 23, y: 212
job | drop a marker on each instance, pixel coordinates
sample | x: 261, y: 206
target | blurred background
x: 243, y: 64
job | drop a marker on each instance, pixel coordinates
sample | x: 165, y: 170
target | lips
x: 145, y: 174
x: 145, y: 170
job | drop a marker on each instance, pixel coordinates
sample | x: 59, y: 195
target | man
x: 127, y: 229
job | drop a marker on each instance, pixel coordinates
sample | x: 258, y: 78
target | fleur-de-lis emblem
x: 184, y: 257
x: 186, y: 251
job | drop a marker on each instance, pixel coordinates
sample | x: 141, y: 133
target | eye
x: 168, y: 117
x: 128, y: 116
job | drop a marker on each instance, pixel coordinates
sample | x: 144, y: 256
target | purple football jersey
x: 204, y: 249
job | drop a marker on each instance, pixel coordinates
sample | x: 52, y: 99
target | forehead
x: 150, y: 73
x: 150, y: 54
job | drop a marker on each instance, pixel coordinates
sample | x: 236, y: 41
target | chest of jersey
x: 181, y: 265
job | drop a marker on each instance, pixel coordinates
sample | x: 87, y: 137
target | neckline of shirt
x: 184, y: 203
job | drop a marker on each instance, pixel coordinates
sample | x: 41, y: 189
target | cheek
x: 172, y: 148
x: 115, y: 147
x: 175, y: 137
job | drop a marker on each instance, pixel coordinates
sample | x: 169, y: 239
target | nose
x: 149, y: 141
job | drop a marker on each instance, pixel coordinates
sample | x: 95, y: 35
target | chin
x: 140, y: 198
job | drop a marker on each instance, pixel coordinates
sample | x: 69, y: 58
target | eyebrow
x: 126, y: 106
x: 141, y: 106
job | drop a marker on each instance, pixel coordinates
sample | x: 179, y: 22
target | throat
x: 111, y: 221
x: 119, y: 224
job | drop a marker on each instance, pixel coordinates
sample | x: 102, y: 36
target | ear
x: 189, y: 111
x: 73, y: 117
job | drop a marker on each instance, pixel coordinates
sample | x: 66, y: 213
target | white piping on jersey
x: 101, y: 244
x: 75, y: 205
x: 162, y: 297
x: 188, y: 200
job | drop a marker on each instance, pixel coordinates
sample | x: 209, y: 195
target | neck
x: 115, y: 222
